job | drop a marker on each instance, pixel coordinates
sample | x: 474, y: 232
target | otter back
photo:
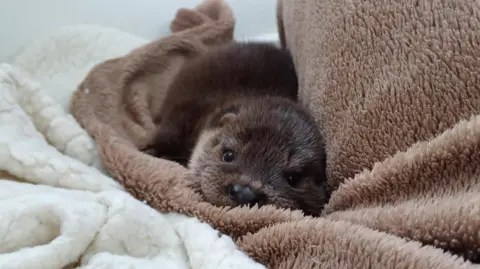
x: 224, y: 73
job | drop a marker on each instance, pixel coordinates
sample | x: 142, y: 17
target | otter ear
x: 226, y: 118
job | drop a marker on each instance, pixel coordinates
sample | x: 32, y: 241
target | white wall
x: 24, y: 20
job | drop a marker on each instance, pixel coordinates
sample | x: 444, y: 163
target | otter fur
x: 231, y: 116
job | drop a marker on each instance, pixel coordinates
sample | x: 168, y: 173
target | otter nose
x: 244, y: 195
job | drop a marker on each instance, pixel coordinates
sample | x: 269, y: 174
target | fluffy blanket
x: 57, y: 207
x: 393, y: 86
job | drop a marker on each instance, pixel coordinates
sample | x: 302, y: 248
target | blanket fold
x: 393, y: 87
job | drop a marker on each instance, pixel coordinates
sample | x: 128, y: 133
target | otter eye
x: 293, y: 178
x: 227, y: 155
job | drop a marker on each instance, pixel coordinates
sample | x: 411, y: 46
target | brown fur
x: 242, y: 96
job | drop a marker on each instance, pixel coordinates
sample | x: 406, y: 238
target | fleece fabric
x: 59, y: 209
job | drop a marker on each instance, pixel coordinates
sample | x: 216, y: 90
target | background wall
x: 24, y: 20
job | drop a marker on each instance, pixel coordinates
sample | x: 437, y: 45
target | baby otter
x: 232, y: 118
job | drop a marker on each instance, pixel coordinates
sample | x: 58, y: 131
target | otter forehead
x: 269, y: 132
x: 264, y: 145
x: 275, y: 146
x: 287, y: 126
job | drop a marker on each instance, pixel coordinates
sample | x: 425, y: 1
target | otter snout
x: 245, y: 195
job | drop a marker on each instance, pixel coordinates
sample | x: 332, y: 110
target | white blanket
x: 69, y: 213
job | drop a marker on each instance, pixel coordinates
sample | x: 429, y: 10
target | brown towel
x: 379, y: 76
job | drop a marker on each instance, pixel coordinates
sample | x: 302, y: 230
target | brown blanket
x: 394, y: 87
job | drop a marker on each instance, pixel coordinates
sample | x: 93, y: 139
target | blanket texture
x: 393, y: 85
x: 57, y: 208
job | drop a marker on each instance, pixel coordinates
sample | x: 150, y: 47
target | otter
x: 232, y: 117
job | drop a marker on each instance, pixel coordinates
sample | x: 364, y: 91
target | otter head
x: 261, y: 151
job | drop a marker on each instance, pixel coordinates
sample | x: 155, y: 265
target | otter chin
x: 231, y: 116
x: 258, y: 151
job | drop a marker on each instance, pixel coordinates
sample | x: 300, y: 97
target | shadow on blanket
x: 379, y: 76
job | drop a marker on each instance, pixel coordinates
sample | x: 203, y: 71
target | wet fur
x: 243, y: 96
